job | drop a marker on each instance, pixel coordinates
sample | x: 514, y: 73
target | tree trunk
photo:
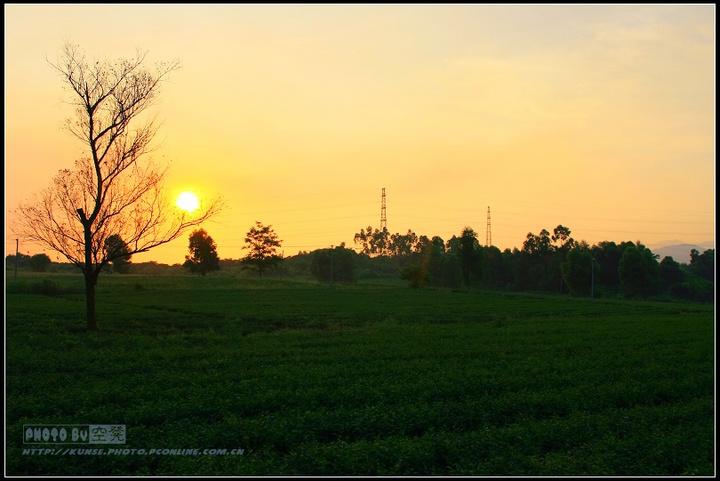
x: 90, y: 281
x: 90, y: 275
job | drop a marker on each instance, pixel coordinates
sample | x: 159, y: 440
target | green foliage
x: 203, y: 257
x: 363, y: 380
x: 544, y: 264
x: 435, y: 253
x: 694, y: 288
x: 670, y: 272
x: 492, y: 269
x: 607, y: 262
x: 40, y: 262
x: 703, y: 264
x: 334, y: 265
x: 638, y: 271
x: 539, y: 263
x: 416, y: 275
x: 577, y: 270
x: 467, y: 250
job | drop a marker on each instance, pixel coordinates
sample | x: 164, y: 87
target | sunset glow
x: 188, y: 202
x: 597, y: 117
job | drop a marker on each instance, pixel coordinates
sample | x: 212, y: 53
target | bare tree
x: 110, y: 191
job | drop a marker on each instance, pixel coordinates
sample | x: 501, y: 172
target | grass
x: 367, y: 379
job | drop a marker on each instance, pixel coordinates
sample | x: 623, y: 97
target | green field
x: 362, y: 379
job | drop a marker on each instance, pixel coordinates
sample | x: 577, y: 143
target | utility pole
x: 17, y: 249
x: 592, y: 278
x: 332, y: 266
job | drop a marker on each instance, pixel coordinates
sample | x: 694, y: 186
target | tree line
x: 552, y: 262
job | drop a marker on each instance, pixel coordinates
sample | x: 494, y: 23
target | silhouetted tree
x: 545, y: 262
x: 374, y: 242
x: 607, y: 263
x: 436, y: 258
x: 508, y: 268
x: 262, y: 243
x: 703, y: 264
x: 334, y: 265
x: 362, y: 239
x: 40, y: 262
x: 561, y: 238
x: 109, y: 191
x: 670, y: 272
x: 117, y: 250
x: 537, y: 245
x: 577, y: 269
x: 492, y: 266
x: 467, y: 250
x: 403, y: 244
x: 561, y: 244
x: 536, y: 262
x: 203, y: 257
x: 422, y: 244
x: 638, y: 271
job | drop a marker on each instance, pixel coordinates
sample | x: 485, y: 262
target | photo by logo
x: 74, y: 434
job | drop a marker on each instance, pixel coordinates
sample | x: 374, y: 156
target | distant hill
x: 679, y: 252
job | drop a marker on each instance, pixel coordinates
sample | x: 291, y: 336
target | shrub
x: 337, y: 264
x: 416, y: 275
x: 694, y: 289
x: 40, y: 262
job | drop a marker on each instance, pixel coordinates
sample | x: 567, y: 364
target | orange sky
x: 599, y: 118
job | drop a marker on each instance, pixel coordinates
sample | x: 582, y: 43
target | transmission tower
x: 383, y: 212
x: 488, y: 233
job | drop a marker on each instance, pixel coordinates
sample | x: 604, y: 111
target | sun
x: 188, y: 201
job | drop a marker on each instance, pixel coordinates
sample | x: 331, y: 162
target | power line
x: 614, y: 219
